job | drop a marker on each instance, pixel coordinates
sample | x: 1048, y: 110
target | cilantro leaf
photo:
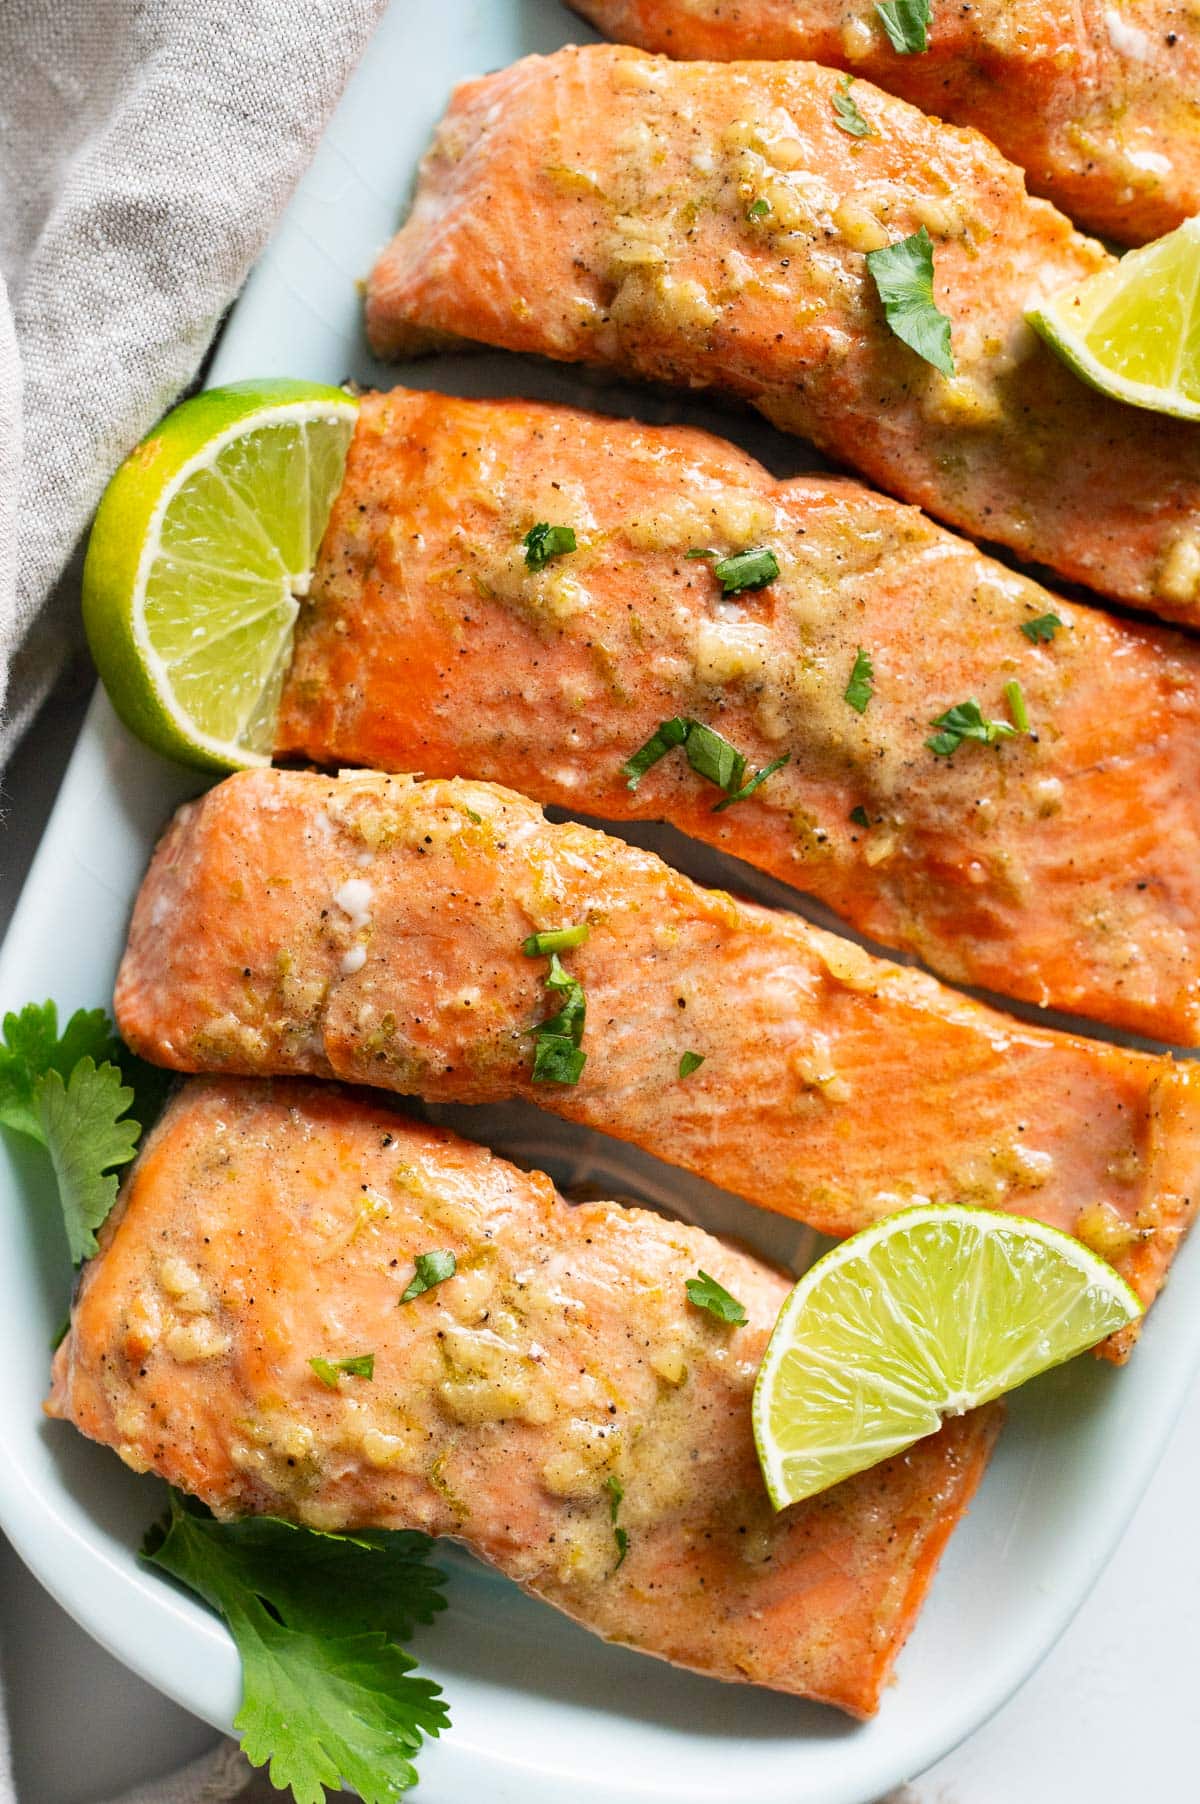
x: 544, y: 542
x: 357, y: 1365
x: 616, y: 1494
x: 430, y: 1269
x: 966, y: 720
x: 846, y: 114
x: 746, y: 570
x: 555, y: 939
x: 860, y: 817
x: 706, y: 1293
x: 903, y: 274
x: 328, y: 1697
x: 861, y: 686
x: 709, y: 754
x: 691, y: 1061
x: 906, y: 23
x: 86, y: 1137
x: 71, y: 1092
x: 1041, y: 630
x: 752, y: 783
x: 759, y: 208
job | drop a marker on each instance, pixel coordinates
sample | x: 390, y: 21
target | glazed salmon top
x: 1099, y: 104
x: 708, y: 223
x: 1062, y: 866
x: 373, y: 928
x: 561, y: 1364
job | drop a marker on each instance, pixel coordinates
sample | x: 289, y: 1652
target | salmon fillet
x: 596, y: 206
x: 1065, y: 870
x: 1097, y: 104
x: 561, y: 1366
x: 371, y: 928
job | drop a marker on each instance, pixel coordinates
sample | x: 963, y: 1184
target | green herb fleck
x: 616, y: 1493
x: 759, y: 209
x: 1014, y: 695
x: 903, y: 274
x: 709, y: 754
x: 361, y: 1365
x: 701, y: 551
x: 860, y: 817
x: 966, y: 720
x: 752, y: 783
x: 1041, y: 630
x: 706, y: 1293
x: 555, y: 939
x: 558, y: 1057
x: 906, y: 23
x: 476, y: 819
x: 691, y: 1061
x: 846, y: 114
x: 544, y: 542
x: 861, y: 686
x: 329, y: 1697
x: 747, y: 570
x: 430, y: 1269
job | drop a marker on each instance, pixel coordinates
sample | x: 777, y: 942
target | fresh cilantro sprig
x: 544, y: 542
x: 845, y: 111
x: 691, y: 1061
x: 72, y: 1093
x: 357, y: 1365
x: 329, y: 1697
x: 616, y: 1495
x: 966, y: 720
x: 903, y: 274
x: 709, y: 754
x: 907, y: 24
x: 429, y: 1269
x: 704, y: 1292
x: 558, y: 1055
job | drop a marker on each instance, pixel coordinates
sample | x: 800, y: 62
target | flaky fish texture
x: 1097, y: 103
x: 372, y: 928
x: 1061, y: 866
x: 708, y: 224
x: 557, y: 1388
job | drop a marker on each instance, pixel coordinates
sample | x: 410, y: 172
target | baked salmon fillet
x: 708, y: 223
x: 1063, y: 867
x: 1098, y: 104
x: 372, y: 928
x: 559, y: 1380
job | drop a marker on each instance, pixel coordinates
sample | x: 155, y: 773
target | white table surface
x: 1109, y: 1718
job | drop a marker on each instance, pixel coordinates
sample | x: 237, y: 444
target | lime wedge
x: 203, y: 541
x: 927, y: 1313
x: 1133, y: 331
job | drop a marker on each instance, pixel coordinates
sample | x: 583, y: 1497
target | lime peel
x: 927, y: 1313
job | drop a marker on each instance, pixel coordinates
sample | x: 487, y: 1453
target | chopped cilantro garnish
x: 430, y: 1269
x: 846, y: 114
x: 616, y: 1493
x: 544, y: 542
x: 700, y: 551
x: 1041, y: 630
x: 966, y: 720
x: 558, y: 1056
x: 759, y: 209
x: 360, y: 1365
x: 709, y: 755
x: 706, y: 1293
x: 555, y: 939
x: 747, y: 570
x: 860, y: 817
x: 691, y: 1061
x: 72, y: 1094
x: 906, y: 23
x: 329, y: 1697
x: 752, y: 783
x: 861, y: 686
x: 903, y: 274
x: 1014, y: 695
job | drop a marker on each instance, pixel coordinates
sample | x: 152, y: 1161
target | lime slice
x: 203, y: 541
x: 1133, y: 331
x: 927, y: 1313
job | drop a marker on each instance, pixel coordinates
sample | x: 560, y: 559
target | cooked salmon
x: 1098, y: 104
x: 374, y: 928
x: 557, y: 1388
x: 708, y: 224
x: 1061, y: 866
